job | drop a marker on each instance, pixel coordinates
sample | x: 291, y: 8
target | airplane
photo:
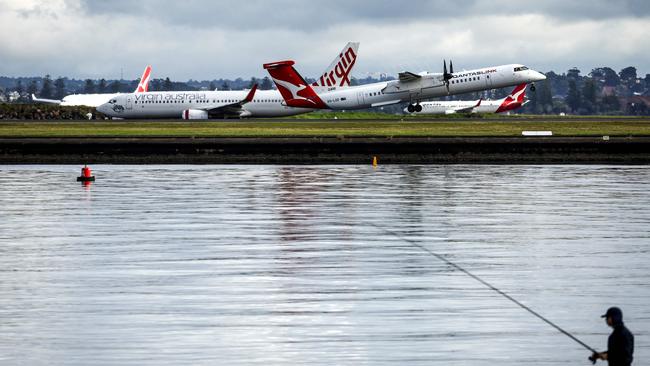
x: 95, y: 100
x: 201, y: 105
x: 511, y: 102
x: 410, y: 87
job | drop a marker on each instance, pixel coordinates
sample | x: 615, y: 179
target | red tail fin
x: 143, y: 86
x: 514, y: 100
x: 294, y: 89
x: 519, y: 93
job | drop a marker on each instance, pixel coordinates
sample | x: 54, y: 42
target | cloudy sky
x: 207, y: 39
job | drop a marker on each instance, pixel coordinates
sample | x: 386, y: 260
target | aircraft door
x: 488, y: 82
x: 361, y: 98
x: 129, y: 102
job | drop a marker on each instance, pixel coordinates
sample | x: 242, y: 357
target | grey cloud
x: 204, y: 39
x: 313, y: 15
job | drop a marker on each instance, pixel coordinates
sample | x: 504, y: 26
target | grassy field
x: 411, y: 127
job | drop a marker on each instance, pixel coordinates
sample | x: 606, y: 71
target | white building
x: 13, y: 96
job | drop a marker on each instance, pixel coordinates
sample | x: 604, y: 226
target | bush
x: 46, y: 112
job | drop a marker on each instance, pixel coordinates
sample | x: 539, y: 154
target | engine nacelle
x: 450, y: 111
x: 195, y: 114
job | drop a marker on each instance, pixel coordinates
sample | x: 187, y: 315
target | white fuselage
x: 427, y: 87
x: 451, y: 107
x: 266, y: 103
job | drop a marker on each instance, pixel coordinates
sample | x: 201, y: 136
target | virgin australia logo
x: 118, y: 108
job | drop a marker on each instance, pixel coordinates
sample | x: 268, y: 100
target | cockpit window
x: 113, y: 101
x: 521, y: 68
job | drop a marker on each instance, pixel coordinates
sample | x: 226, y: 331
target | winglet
x: 479, y: 103
x: 46, y: 101
x: 251, y: 94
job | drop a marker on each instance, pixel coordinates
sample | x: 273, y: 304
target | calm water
x: 204, y: 265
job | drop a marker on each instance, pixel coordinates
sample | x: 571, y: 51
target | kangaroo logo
x: 515, y: 96
x: 118, y: 108
x: 294, y: 89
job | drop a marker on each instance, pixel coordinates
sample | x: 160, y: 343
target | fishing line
x: 487, y: 284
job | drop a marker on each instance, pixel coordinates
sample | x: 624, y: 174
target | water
x: 272, y: 265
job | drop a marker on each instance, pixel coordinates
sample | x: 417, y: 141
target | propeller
x: 447, y: 75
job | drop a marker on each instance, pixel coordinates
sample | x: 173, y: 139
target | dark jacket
x: 620, y: 345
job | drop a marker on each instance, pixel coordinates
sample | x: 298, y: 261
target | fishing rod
x: 490, y: 286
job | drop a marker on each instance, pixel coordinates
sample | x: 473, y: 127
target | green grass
x: 330, y: 128
x: 352, y: 115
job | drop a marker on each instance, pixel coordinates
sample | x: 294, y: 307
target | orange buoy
x: 86, y: 175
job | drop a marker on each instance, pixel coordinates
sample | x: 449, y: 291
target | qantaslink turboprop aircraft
x: 221, y: 104
x: 410, y: 87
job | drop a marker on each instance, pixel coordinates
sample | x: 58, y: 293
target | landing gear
x: 414, y: 108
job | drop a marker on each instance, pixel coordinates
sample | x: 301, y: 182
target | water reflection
x: 295, y: 265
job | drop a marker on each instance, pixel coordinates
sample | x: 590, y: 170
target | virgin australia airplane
x: 410, y: 87
x: 95, y: 100
x: 221, y: 104
x: 511, y: 102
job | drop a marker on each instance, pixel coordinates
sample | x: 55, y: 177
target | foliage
x: 44, y: 112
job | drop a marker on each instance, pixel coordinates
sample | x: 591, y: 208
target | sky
x: 212, y: 39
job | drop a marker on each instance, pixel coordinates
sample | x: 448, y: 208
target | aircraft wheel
x: 411, y: 108
x: 532, y: 87
x: 418, y: 108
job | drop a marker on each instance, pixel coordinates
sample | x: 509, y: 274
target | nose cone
x: 104, y: 108
x: 537, y: 76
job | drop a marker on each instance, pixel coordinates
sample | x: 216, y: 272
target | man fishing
x: 620, y: 345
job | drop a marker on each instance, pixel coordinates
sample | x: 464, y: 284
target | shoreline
x: 632, y: 150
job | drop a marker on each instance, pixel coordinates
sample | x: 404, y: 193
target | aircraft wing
x: 233, y: 108
x: 46, y: 101
x: 468, y: 109
x: 408, y: 76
